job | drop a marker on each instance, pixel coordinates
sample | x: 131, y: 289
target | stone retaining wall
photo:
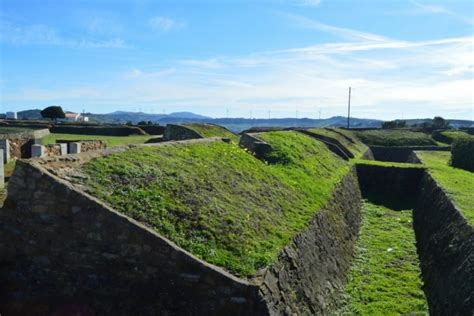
x: 63, y: 250
x: 401, y: 153
x: 311, y: 272
x: 20, y: 143
x: 255, y: 145
x: 86, y: 145
x: 445, y: 246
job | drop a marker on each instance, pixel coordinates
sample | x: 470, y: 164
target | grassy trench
x: 383, y: 137
x: 385, y: 276
x: 458, y: 183
x: 218, y: 201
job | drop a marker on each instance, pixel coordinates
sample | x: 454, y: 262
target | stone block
x: 74, y: 148
x: 5, y: 145
x: 63, y: 149
x: 37, y: 150
x: 2, y: 170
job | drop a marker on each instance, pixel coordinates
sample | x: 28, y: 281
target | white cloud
x: 437, y: 9
x: 390, y: 78
x: 164, y: 24
x: 40, y: 34
x: 307, y: 23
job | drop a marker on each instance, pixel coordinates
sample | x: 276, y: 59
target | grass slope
x: 386, y: 163
x: 111, y: 140
x: 458, y: 183
x: 218, y: 201
x: 356, y: 147
x: 453, y: 135
x: 385, y: 276
x: 384, y: 137
x: 211, y: 130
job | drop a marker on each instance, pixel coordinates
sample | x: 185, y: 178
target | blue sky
x: 277, y: 58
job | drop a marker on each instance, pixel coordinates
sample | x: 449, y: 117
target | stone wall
x: 63, y: 250
x: 445, y: 245
x: 333, y: 144
x: 180, y: 132
x: 255, y: 145
x: 401, y: 153
x: 311, y: 272
x: 392, y: 186
x: 52, y: 150
x: 86, y: 145
x: 20, y: 143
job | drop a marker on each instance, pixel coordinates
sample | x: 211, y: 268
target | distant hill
x: 234, y: 124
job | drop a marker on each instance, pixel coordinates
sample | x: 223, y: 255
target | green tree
x: 439, y: 123
x: 53, y: 112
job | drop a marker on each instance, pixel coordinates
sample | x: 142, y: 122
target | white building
x: 75, y: 117
x: 11, y: 116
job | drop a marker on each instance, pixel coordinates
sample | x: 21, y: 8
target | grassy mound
x: 218, y: 201
x: 458, y: 183
x: 451, y: 136
x: 347, y: 138
x: 395, y: 138
x: 385, y: 276
x: 111, y: 140
x: 462, y: 153
x: 211, y: 130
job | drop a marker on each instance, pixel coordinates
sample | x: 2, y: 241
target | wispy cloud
x: 420, y: 78
x: 40, y: 34
x: 346, y: 33
x: 438, y: 9
x: 164, y: 24
x: 308, y: 3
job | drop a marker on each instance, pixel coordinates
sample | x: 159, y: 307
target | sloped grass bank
x: 457, y: 183
x: 211, y: 130
x: 395, y: 138
x: 346, y: 138
x: 112, y: 141
x: 218, y: 201
x: 385, y: 277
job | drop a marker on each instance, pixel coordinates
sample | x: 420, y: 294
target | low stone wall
x: 180, y: 132
x: 86, y: 145
x: 311, y: 272
x: 255, y: 145
x: 52, y: 150
x: 20, y: 143
x: 445, y: 245
x: 402, y: 153
x: 63, y: 251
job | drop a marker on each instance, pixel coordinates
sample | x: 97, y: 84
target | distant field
x: 210, y: 130
x: 9, y: 130
x: 395, y: 138
x: 385, y: 276
x: 218, y: 201
x: 458, y: 183
x: 111, y: 140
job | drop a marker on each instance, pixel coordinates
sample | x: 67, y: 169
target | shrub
x: 462, y: 153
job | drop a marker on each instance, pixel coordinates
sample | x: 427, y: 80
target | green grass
x: 12, y: 130
x: 458, y: 183
x: 218, y: 201
x: 453, y: 135
x: 395, y: 138
x: 211, y: 130
x: 385, y: 276
x: 356, y: 147
x: 112, y: 141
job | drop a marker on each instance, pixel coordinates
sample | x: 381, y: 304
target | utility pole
x: 349, y: 110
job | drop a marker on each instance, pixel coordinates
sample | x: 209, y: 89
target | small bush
x: 462, y: 153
